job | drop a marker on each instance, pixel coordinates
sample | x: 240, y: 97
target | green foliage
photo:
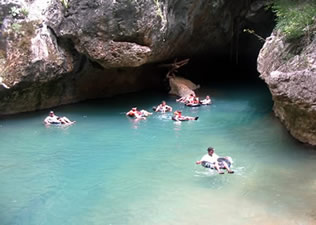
x: 24, y: 12
x: 22, y: 30
x: 65, y: 3
x: 294, y: 17
x: 19, y: 12
x: 16, y: 27
x: 15, y: 11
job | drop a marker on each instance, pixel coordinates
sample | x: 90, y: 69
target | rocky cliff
x: 289, y: 69
x: 54, y: 52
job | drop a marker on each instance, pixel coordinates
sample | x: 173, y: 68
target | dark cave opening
x: 237, y: 62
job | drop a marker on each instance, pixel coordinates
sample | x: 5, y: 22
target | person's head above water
x: 163, y: 103
x: 51, y: 113
x: 134, y: 108
x: 210, y: 150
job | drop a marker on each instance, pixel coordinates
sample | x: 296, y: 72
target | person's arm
x: 158, y: 108
x: 46, y: 120
x: 204, y: 158
x: 179, y: 99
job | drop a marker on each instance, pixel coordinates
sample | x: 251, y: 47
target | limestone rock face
x: 30, y: 57
x: 130, y: 33
x: 289, y: 69
x: 55, y: 52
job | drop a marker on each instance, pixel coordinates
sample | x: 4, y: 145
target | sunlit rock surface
x: 181, y: 87
x: 289, y: 69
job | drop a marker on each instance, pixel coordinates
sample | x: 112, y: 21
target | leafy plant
x: 294, y: 17
x: 24, y: 12
x: 16, y: 27
x: 15, y: 11
x: 65, y: 3
x: 19, y: 12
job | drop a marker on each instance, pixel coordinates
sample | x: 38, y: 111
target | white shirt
x: 206, y: 101
x: 52, y: 119
x: 208, y: 158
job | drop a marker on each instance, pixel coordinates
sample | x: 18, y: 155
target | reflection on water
x: 110, y: 169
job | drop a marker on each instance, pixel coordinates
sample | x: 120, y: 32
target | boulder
x: 289, y: 69
x: 181, y: 87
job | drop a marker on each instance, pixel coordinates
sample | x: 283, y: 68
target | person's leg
x: 216, y: 166
x: 227, y: 167
x: 66, y: 120
x: 61, y: 119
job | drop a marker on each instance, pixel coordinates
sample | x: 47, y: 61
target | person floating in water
x: 178, y: 117
x: 186, y: 99
x: 136, y: 114
x: 163, y: 107
x: 206, y: 101
x: 194, y: 102
x: 145, y: 113
x: 213, y: 161
x: 53, y: 119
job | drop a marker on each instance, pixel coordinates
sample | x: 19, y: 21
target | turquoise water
x: 110, y: 170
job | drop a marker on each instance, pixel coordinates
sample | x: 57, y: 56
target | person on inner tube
x: 145, y: 113
x: 53, y: 119
x: 178, y: 116
x: 210, y: 160
x: 163, y: 107
x: 135, y: 113
x: 194, y: 101
x: 186, y: 99
x: 206, y: 101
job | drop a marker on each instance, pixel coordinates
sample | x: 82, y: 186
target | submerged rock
x: 289, y: 69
